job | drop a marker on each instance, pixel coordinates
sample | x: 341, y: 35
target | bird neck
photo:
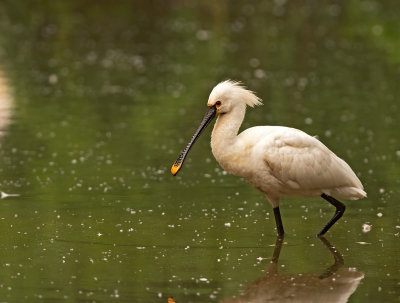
x: 226, y: 129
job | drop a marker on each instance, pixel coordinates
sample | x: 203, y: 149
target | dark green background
x: 104, y: 96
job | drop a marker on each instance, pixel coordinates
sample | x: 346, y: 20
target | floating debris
x: 4, y: 195
x: 366, y: 228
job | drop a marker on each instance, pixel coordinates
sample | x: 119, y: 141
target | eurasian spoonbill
x: 278, y: 161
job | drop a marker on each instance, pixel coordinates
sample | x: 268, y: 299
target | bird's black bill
x: 209, y: 115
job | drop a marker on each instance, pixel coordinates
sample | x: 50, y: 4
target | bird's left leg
x: 340, y: 208
x: 278, y: 220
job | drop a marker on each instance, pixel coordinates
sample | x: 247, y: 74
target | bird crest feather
x: 238, y: 91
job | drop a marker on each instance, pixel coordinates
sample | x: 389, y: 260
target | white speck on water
x: 363, y: 243
x: 254, y: 62
x: 227, y: 224
x: 308, y: 121
x: 377, y: 30
x: 203, y: 279
x: 99, y: 234
x: 259, y: 73
x: 379, y: 215
x: 302, y: 83
x: 202, y: 35
x: 366, y: 228
x: 53, y: 79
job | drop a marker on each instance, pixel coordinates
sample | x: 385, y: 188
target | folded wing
x: 306, y: 166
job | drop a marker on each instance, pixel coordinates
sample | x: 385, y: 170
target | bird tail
x: 358, y: 193
x: 347, y: 193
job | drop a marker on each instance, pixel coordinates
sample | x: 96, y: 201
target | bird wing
x: 303, y: 163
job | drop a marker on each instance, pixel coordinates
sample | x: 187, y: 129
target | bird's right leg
x: 340, y: 208
x: 278, y: 220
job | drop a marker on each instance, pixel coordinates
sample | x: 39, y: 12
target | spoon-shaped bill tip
x: 209, y: 115
x: 176, y: 167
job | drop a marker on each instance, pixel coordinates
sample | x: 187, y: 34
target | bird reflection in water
x: 335, y: 284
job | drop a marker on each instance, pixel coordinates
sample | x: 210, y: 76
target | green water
x: 97, y: 99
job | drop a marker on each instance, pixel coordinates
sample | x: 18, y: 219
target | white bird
x: 278, y: 161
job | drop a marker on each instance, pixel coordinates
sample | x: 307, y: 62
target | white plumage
x: 282, y: 161
x: 278, y: 161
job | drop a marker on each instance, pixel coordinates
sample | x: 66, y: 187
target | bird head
x: 224, y: 97
x: 229, y: 94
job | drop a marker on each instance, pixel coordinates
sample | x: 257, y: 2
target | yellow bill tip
x: 175, y: 168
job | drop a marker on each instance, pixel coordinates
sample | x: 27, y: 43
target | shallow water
x: 98, y: 99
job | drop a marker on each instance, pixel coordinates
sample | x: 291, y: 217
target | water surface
x: 97, y: 99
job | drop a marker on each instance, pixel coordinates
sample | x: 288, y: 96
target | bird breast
x: 243, y: 157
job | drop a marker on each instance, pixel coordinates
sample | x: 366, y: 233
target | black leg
x: 278, y: 221
x: 340, y: 208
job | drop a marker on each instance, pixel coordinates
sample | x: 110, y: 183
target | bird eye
x: 218, y: 103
